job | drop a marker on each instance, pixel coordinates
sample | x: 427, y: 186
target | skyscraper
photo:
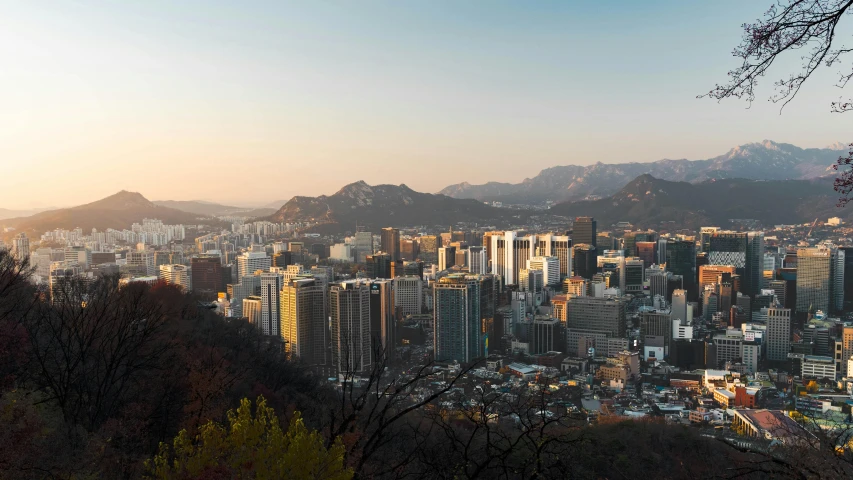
x: 350, y: 321
x: 207, y: 275
x: 383, y: 326
x: 251, y: 308
x: 559, y: 246
x: 478, y: 264
x: 21, y: 247
x: 813, y: 279
x: 253, y: 260
x: 681, y: 260
x: 778, y: 333
x: 271, y: 285
x: 837, y: 268
x: 593, y: 317
x: 446, y: 258
x: 549, y: 266
x: 846, y: 350
x: 177, y: 275
x: 390, y: 242
x: 363, y: 246
x: 246, y: 287
x: 408, y: 294
x: 457, y: 306
x: 743, y: 250
x: 585, y: 261
x: 378, y: 265
x: 303, y: 320
x: 584, y: 231
x: 428, y: 246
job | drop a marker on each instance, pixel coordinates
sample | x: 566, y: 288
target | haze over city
x: 306, y: 97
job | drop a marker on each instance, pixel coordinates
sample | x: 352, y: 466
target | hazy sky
x: 246, y: 102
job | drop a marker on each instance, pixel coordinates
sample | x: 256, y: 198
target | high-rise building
x: 593, y: 317
x: 390, y: 242
x: 813, y: 279
x: 247, y: 286
x: 656, y: 324
x: 680, y: 308
x: 271, y: 285
x: 378, y: 265
x: 253, y: 260
x: 681, y: 260
x: 710, y: 274
x: 585, y: 261
x: 530, y: 280
x: 409, y: 249
x: 141, y: 262
x: 778, y: 336
x: 363, y: 246
x: 251, y: 308
x: 446, y: 258
x: 207, y: 274
x: 509, y: 254
x: 559, y: 246
x: 21, y: 247
x: 549, y: 266
x: 575, y: 286
x: 350, y: 322
x: 304, y: 325
x: 457, y: 305
x: 846, y: 351
x: 178, y: 275
x: 648, y: 252
x: 837, y: 267
x: 584, y: 231
x: 705, y: 234
x: 428, y: 246
x: 478, y: 264
x: 408, y: 294
x: 383, y: 326
x: 743, y: 250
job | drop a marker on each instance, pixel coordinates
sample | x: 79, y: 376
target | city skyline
x: 111, y: 96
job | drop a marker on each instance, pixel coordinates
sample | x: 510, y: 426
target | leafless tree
x: 808, y: 27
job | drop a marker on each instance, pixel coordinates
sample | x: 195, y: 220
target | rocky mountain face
x: 767, y: 160
x: 652, y: 202
x: 384, y: 205
x: 117, y: 211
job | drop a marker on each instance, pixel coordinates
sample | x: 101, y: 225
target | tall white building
x: 253, y: 260
x: 509, y: 254
x: 836, y: 294
x: 271, y: 285
x: 680, y: 309
x: 813, y: 279
x: 558, y: 246
x: 179, y: 275
x: 251, y: 308
x: 408, y: 294
x: 549, y: 266
x: 21, y: 247
x: 478, y: 264
x: 778, y: 337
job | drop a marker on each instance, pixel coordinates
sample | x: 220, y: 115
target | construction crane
x: 808, y: 235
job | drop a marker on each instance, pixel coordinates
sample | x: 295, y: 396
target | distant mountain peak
x: 838, y: 146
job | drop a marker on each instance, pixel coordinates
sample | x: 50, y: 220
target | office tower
x: 282, y: 259
x: 291, y: 272
x: 21, y: 247
x: 141, y: 263
x: 658, y: 282
x: 813, y: 279
x: 681, y: 260
x: 320, y: 249
x: 634, y: 276
x: 271, y: 285
x: 575, y: 286
x: 604, y: 241
x: 378, y: 265
x: 177, y: 275
x: 559, y: 246
x: 82, y: 257
x: 710, y: 303
x: 710, y: 274
x: 846, y: 351
x: 253, y: 260
x: 743, y: 250
x: 461, y: 257
x: 530, y: 280
x: 477, y: 262
x: 383, y: 326
x: 304, y: 325
x: 680, y: 309
x: 60, y: 282
x: 208, y: 276
x: 549, y: 266
x: 408, y: 294
x: 350, y: 321
x: 584, y: 232
x: 585, y: 261
x: 412, y: 268
x: 509, y: 254
x: 728, y: 347
x: 648, y: 252
x: 161, y: 257
x: 246, y: 287
x: 705, y: 234
x: 409, y: 250
x: 836, y: 283
x: 657, y: 325
x: 778, y: 336
x: 591, y: 317
x: 457, y: 305
x: 789, y: 276
x: 848, y: 272
x: 363, y: 246
x: 390, y: 242
x: 251, y: 308
x: 428, y: 246
x: 446, y: 258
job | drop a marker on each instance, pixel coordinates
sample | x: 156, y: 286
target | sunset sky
x: 253, y: 101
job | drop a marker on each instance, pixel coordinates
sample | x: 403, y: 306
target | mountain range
x: 648, y: 202
x: 385, y: 205
x: 201, y: 207
x: 767, y: 160
x: 117, y: 211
